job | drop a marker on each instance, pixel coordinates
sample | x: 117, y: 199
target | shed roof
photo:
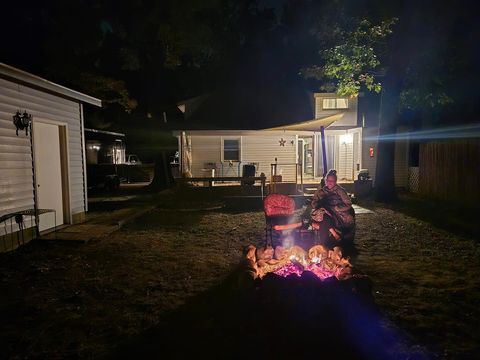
x: 11, y: 72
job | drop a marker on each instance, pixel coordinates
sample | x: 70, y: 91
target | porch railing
x: 276, y: 178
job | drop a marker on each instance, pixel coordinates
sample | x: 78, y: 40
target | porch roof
x: 310, y: 125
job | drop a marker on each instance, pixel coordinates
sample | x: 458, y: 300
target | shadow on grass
x: 165, y: 219
x: 273, y: 318
x: 454, y: 217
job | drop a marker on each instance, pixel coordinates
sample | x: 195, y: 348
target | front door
x: 345, y: 157
x: 48, y: 172
x: 305, y: 155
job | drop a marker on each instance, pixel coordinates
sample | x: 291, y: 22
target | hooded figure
x: 334, y: 201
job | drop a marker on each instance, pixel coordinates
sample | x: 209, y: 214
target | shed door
x: 48, y: 171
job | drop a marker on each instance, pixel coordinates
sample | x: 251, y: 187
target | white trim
x: 49, y: 121
x: 296, y: 148
x: 66, y: 175
x: 36, y: 81
x: 336, y: 160
x: 84, y: 157
x: 239, y: 133
x: 360, y: 147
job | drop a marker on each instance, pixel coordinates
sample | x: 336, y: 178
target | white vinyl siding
x: 205, y: 150
x: 264, y: 149
x: 259, y: 149
x: 327, y: 104
x: 16, y: 184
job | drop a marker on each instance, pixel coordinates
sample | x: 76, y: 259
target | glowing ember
x: 289, y: 269
x: 321, y: 272
x: 317, y: 269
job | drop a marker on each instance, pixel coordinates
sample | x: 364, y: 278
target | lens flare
x: 452, y: 132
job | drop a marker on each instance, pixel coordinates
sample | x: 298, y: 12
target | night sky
x: 247, y: 55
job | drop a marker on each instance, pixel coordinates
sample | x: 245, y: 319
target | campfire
x: 294, y: 261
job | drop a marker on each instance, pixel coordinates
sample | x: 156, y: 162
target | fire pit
x: 294, y: 261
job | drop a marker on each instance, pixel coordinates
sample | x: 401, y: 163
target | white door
x: 48, y: 171
x: 345, y: 157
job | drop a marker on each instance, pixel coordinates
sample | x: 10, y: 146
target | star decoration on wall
x: 282, y: 142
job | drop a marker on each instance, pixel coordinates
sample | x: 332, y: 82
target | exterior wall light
x: 22, y: 121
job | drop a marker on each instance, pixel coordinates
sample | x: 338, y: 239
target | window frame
x: 336, y: 103
x: 237, y: 138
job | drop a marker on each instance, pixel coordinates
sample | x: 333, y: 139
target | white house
x: 348, y: 146
x: 44, y: 169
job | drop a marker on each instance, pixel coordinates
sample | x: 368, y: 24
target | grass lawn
x: 84, y: 300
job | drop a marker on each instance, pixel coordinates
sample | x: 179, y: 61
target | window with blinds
x: 335, y: 103
x: 231, y: 149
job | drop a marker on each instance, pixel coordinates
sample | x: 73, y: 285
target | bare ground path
x: 83, y: 301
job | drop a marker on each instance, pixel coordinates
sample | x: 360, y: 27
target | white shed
x: 44, y: 168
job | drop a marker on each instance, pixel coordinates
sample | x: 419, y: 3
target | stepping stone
x: 361, y: 210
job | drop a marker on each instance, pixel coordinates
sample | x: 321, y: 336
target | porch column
x: 324, y: 152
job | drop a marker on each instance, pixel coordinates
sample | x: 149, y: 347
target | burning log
x: 250, y: 263
x: 264, y: 253
x: 297, y: 253
x: 317, y: 252
x: 336, y: 254
x: 280, y: 253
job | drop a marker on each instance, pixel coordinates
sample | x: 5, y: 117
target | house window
x: 231, y: 149
x: 338, y: 103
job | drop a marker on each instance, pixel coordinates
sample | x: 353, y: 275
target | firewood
x: 280, y: 253
x: 251, y: 268
x: 264, y: 253
x: 337, y: 250
x: 273, y: 262
x: 250, y: 252
x: 268, y: 253
x: 344, y: 262
x: 261, y: 263
x: 334, y: 255
x: 297, y: 253
x: 345, y: 273
x: 317, y: 251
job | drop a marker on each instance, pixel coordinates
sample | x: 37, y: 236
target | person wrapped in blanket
x: 332, y: 211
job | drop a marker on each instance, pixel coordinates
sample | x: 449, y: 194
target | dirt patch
x: 84, y: 300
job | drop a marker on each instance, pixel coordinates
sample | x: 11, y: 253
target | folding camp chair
x: 279, y: 216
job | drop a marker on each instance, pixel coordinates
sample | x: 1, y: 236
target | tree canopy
x: 143, y: 56
x: 353, y: 63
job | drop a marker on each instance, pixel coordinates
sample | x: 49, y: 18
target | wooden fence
x: 450, y: 170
